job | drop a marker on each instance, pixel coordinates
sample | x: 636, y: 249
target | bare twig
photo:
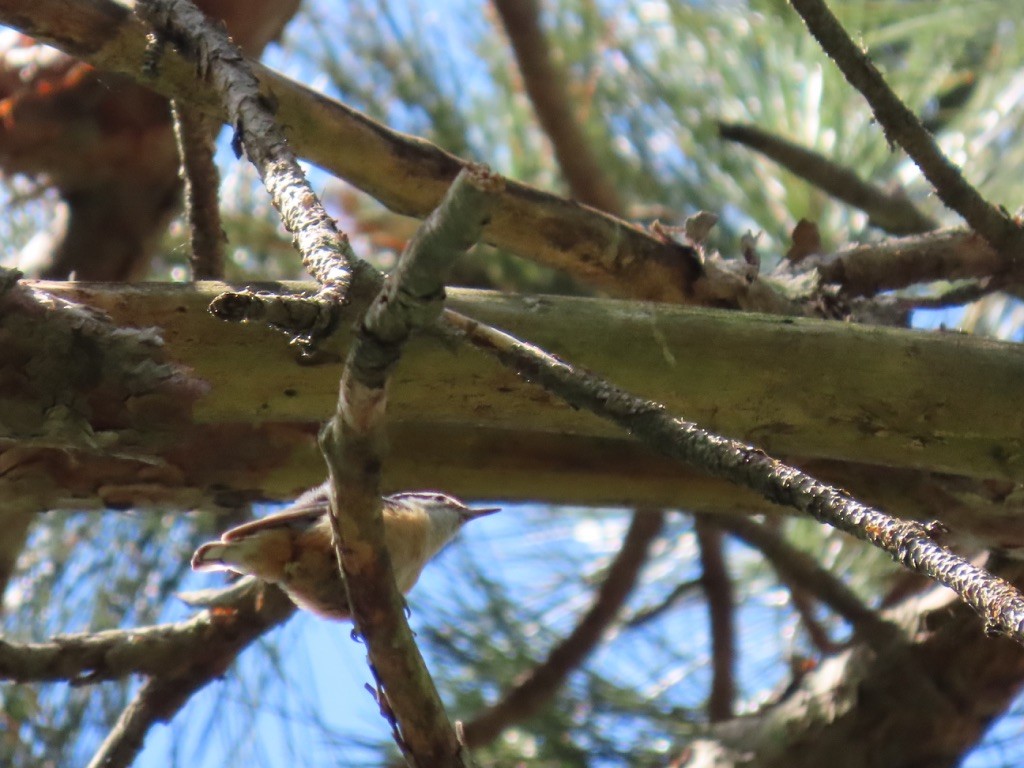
x: 195, y: 132
x: 893, y: 213
x: 721, y: 612
x: 816, y: 632
x: 182, y: 657
x: 544, y: 680
x: 949, y: 254
x: 546, y: 85
x: 351, y: 441
x: 158, y: 650
x: 909, y: 543
x: 799, y: 569
x: 156, y: 702
x: 902, y: 127
x: 326, y: 253
x: 953, y: 297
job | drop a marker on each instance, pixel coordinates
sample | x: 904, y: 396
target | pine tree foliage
x: 650, y: 82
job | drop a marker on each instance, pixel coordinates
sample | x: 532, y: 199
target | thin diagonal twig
x: 902, y: 127
x: 909, y: 543
x: 649, y: 614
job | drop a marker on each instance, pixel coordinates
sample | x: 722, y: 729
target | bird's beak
x: 473, y: 514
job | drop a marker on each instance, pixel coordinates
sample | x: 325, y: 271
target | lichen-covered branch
x: 352, y: 444
x: 893, y: 213
x: 909, y: 543
x: 326, y: 253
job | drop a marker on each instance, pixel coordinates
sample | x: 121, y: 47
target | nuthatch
x: 293, y: 548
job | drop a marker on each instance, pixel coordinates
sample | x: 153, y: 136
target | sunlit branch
x: 718, y: 591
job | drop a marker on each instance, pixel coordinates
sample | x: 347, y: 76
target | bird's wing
x: 297, y: 517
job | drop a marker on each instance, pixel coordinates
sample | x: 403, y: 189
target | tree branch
x: 181, y: 657
x: 546, y: 85
x: 799, y: 570
x: 352, y: 444
x: 909, y: 543
x: 721, y: 613
x: 326, y: 253
x: 540, y: 448
x: 407, y: 174
x: 948, y: 254
x: 159, y: 650
x: 902, y: 127
x: 410, y: 175
x: 156, y: 702
x: 195, y: 133
x: 893, y: 213
x: 542, y: 682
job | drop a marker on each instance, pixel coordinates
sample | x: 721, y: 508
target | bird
x: 293, y: 548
